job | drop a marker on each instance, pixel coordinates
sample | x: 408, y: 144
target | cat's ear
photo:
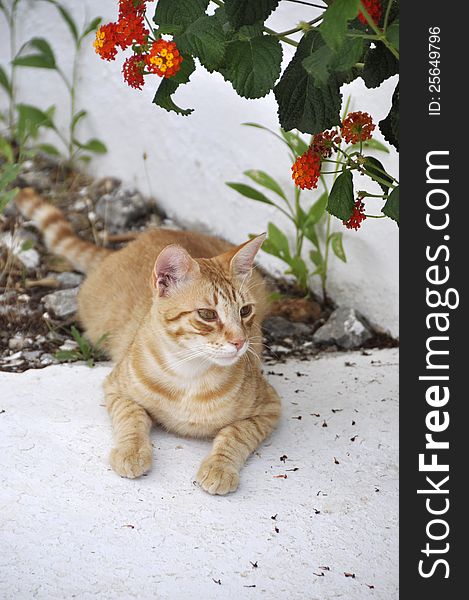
x: 241, y: 259
x: 174, y: 266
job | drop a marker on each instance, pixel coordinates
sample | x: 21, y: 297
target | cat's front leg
x: 131, y: 424
x: 219, y: 472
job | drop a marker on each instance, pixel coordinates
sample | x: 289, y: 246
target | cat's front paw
x: 131, y: 461
x: 216, y: 476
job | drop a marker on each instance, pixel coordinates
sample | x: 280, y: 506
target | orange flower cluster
x: 106, y: 41
x: 159, y: 56
x: 163, y: 59
x: 357, y: 126
x: 323, y: 143
x: 133, y: 70
x: 357, y: 217
x: 306, y: 170
x: 373, y: 8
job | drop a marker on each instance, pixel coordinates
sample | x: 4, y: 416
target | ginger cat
x: 182, y: 312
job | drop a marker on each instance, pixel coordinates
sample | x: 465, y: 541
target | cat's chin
x: 225, y: 361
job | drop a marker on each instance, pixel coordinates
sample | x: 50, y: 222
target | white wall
x: 190, y: 158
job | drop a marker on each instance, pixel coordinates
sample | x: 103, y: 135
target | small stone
x: 69, y: 345
x: 31, y: 355
x: 62, y: 304
x: 345, y: 328
x: 38, y: 180
x: 121, y: 208
x: 17, y: 342
x: 279, y: 328
x: 48, y: 359
x: 68, y: 279
x: 16, y: 243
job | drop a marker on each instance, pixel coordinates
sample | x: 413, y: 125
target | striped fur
x: 58, y: 235
x: 171, y: 366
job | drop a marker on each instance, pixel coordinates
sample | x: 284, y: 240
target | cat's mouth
x: 227, y: 358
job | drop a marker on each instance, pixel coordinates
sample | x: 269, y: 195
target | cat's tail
x: 58, y: 233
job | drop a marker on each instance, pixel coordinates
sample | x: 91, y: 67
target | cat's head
x: 209, y: 309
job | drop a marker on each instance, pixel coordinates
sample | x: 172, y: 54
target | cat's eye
x: 207, y: 314
x: 246, y: 310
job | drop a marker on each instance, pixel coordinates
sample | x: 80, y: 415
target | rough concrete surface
x: 71, y: 528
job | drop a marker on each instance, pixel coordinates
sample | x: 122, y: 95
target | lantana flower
x: 373, y: 8
x: 306, y: 170
x: 323, y: 143
x: 357, y: 126
x: 357, y: 216
x: 163, y: 59
x: 106, y: 41
x: 133, y: 70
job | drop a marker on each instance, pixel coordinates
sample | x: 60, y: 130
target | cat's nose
x: 238, y: 343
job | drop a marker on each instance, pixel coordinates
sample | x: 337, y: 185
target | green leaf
x: 31, y: 119
x: 390, y: 125
x: 5, y: 81
x: 248, y: 12
x: 77, y: 117
x: 374, y: 168
x: 6, y: 150
x: 317, y: 210
x: 316, y: 258
x: 67, y: 17
x: 252, y: 66
x: 302, y: 104
x: 317, y: 64
x: 64, y: 355
x: 26, y: 245
x: 299, y: 270
x: 168, y: 86
x: 6, y: 198
x: 324, y: 61
x: 296, y: 144
x: 266, y: 181
x: 349, y: 53
x: 380, y: 64
x: 393, y: 34
x: 280, y: 242
x: 371, y: 144
x: 8, y: 174
x: 92, y: 145
x: 48, y: 149
x: 92, y: 26
x: 249, y: 192
x: 204, y: 39
x: 176, y: 15
x: 337, y: 246
x: 391, y: 208
x: 43, y: 59
x: 335, y: 21
x: 341, y: 202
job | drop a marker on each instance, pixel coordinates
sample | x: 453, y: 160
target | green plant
x: 349, y: 39
x: 313, y: 163
x: 85, y: 350
x: 37, y: 53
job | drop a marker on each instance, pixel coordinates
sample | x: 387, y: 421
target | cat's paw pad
x: 131, y: 461
x: 217, y: 477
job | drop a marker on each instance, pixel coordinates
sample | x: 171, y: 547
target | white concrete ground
x: 71, y: 528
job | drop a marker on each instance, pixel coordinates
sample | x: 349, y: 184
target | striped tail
x: 58, y: 234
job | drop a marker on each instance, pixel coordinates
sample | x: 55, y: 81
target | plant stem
x: 72, y: 106
x: 281, y: 37
x: 380, y: 35
x: 11, y: 18
x: 386, y: 17
x: 307, y: 4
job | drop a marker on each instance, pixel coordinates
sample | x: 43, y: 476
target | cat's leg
x: 131, y: 424
x: 219, y: 472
